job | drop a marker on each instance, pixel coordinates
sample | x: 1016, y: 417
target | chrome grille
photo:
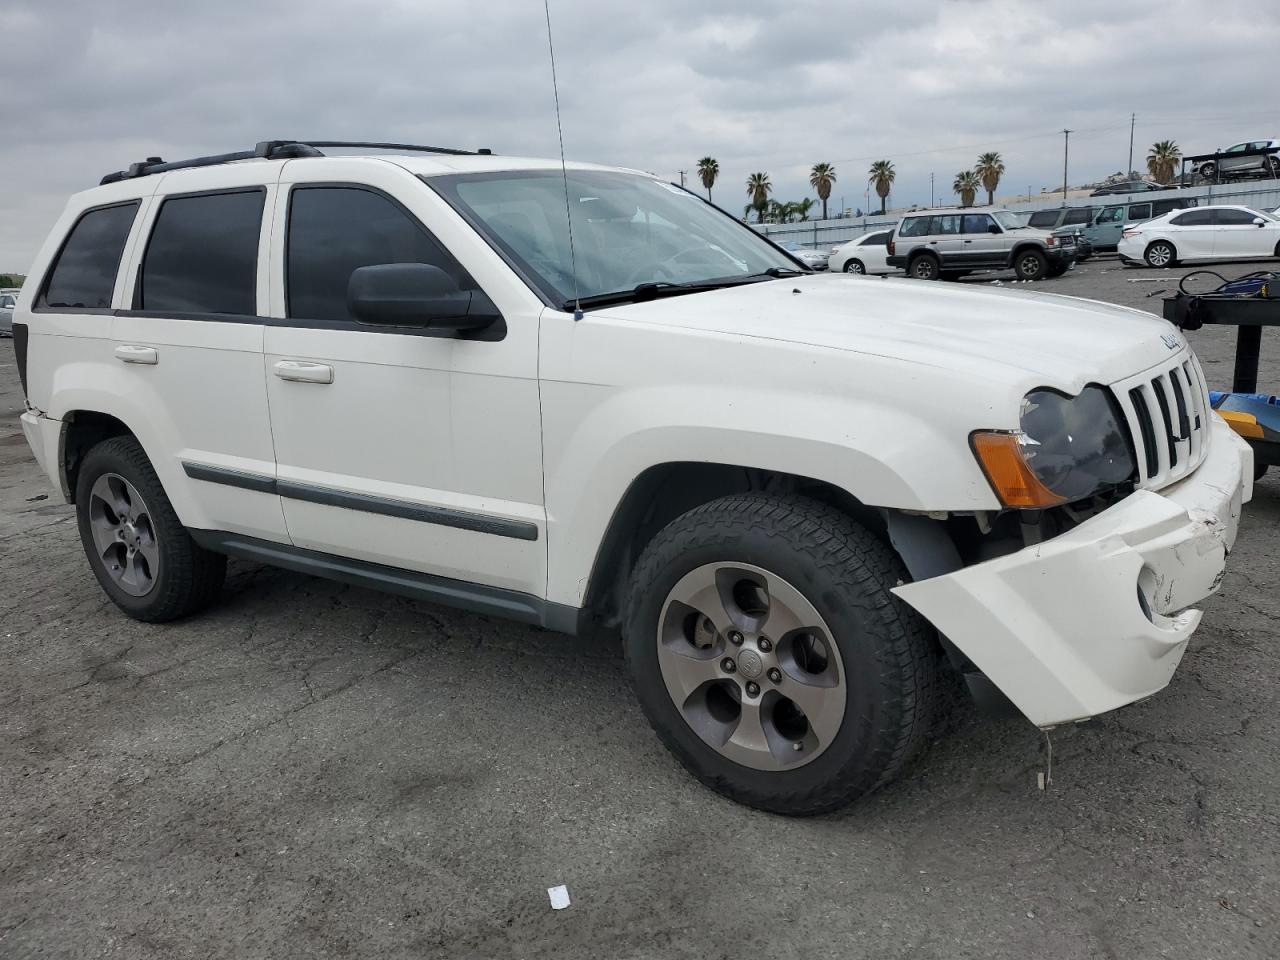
x: 1168, y: 414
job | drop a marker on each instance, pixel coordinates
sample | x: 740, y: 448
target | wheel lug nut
x: 753, y: 688
x: 765, y: 644
x: 797, y: 747
x: 727, y: 665
x: 735, y: 638
x: 775, y: 675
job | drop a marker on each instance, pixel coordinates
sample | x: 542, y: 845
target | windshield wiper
x: 661, y: 288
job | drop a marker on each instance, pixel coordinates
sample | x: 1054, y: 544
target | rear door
x: 1193, y: 234
x: 945, y: 239
x: 189, y: 348
x: 979, y: 245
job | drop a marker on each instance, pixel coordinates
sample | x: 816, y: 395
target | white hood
x: 1060, y: 341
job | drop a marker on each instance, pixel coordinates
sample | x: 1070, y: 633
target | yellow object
x: 1245, y: 424
x: 1014, y: 482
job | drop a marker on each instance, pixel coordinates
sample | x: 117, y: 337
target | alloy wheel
x: 123, y: 534
x: 854, y: 266
x: 751, y: 666
x: 1159, y: 255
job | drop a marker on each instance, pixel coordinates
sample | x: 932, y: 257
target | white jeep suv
x: 802, y: 504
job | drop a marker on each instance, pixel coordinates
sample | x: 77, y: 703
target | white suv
x: 802, y: 504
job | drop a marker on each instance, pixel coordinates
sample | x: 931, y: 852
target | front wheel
x: 1160, y: 254
x: 1207, y: 171
x: 1030, y: 265
x: 137, y: 547
x: 854, y: 266
x: 770, y: 656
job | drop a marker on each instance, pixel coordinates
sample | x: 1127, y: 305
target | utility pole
x: 1066, y: 144
x: 682, y: 178
x: 1133, y: 118
x: 931, y: 190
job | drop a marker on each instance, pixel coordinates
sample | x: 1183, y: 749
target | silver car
x: 1229, y: 166
x: 7, y: 302
x: 813, y: 259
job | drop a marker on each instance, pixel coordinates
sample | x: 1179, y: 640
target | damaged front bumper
x: 1098, y: 617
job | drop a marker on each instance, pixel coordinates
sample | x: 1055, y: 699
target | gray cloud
x: 87, y: 87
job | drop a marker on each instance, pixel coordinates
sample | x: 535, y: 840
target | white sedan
x: 866, y: 254
x: 1202, y: 233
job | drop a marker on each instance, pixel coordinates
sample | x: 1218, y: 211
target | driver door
x: 403, y: 446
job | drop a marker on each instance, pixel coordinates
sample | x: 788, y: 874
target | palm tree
x: 758, y: 189
x: 821, y: 177
x: 966, y: 185
x: 802, y: 208
x: 882, y: 175
x: 708, y: 170
x: 990, y: 168
x: 1163, y: 159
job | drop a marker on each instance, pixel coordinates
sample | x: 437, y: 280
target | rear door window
x: 335, y: 230
x: 84, y: 275
x: 977, y: 223
x: 1193, y: 218
x: 1235, y: 218
x: 947, y: 225
x: 1043, y: 219
x: 877, y: 240
x: 203, y: 255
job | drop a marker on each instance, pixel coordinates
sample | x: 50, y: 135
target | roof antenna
x: 564, y: 173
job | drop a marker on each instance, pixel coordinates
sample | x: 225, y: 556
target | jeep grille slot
x: 1168, y: 418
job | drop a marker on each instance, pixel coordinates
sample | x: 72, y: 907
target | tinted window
x: 877, y: 240
x: 1165, y: 206
x: 85, y: 272
x: 335, y: 230
x: 1079, y: 215
x: 1140, y: 211
x: 1111, y: 215
x: 1235, y: 218
x: 1193, y: 218
x: 203, y: 255
x: 977, y: 223
x: 914, y: 227
x: 948, y: 225
x: 1043, y: 219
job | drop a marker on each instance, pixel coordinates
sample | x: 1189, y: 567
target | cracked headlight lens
x: 1067, y: 448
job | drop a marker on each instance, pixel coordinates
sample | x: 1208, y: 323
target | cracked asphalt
x: 314, y: 770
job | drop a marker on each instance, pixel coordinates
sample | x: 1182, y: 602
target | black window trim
x: 39, y: 306
x: 495, y: 332
x: 135, y: 310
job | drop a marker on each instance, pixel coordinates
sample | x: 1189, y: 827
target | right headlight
x: 1066, y: 449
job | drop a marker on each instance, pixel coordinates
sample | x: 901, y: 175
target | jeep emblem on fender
x: 1171, y: 340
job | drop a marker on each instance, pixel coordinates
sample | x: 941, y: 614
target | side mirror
x: 1259, y: 222
x: 993, y: 228
x: 416, y: 295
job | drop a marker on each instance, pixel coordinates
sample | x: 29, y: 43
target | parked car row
x: 8, y: 300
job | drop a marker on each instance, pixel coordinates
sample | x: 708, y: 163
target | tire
x: 1057, y: 270
x: 1273, y: 167
x: 855, y: 266
x: 954, y: 275
x: 878, y: 654
x: 924, y: 266
x: 1259, y: 469
x: 1030, y: 264
x: 1207, y: 171
x: 165, y: 575
x: 1160, y: 254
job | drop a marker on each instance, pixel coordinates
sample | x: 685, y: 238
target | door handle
x: 130, y: 353
x: 302, y: 372
x: 968, y: 241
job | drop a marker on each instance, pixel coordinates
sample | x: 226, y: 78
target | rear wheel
x: 1208, y: 170
x: 1160, y: 254
x: 770, y: 656
x: 137, y: 547
x: 1030, y: 265
x: 854, y: 266
x: 924, y: 266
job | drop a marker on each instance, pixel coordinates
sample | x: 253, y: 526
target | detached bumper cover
x: 1059, y: 627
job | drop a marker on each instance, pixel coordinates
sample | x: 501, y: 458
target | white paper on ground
x: 559, y: 897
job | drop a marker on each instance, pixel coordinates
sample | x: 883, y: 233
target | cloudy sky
x: 87, y: 86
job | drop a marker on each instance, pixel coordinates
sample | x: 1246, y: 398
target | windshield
x: 627, y: 230
x: 1008, y: 220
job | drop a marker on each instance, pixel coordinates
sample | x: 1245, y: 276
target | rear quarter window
x: 83, y: 276
x: 1043, y: 219
x: 914, y: 227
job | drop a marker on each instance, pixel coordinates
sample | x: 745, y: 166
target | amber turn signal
x: 1000, y: 455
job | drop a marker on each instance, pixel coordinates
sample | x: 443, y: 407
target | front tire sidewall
x: 851, y: 758
x: 1030, y: 265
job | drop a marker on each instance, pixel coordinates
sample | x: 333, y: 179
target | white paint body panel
x: 871, y: 255
x: 1210, y: 242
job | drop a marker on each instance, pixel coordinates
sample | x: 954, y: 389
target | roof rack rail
x: 271, y: 150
